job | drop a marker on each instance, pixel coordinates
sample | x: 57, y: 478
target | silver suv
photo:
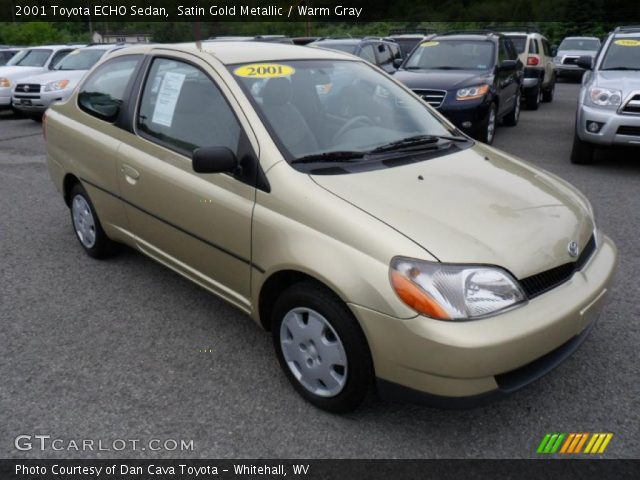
x: 570, y: 50
x: 609, y: 101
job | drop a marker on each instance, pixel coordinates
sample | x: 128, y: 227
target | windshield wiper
x: 338, y: 156
x: 418, y: 140
x: 620, y: 68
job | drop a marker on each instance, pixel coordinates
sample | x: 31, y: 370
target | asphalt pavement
x: 126, y: 349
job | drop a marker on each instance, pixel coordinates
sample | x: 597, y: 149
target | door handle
x: 130, y: 173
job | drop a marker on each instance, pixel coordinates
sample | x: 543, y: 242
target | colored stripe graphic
x: 598, y: 443
x: 550, y: 443
x: 574, y: 442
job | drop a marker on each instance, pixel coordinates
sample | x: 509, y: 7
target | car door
x: 197, y: 224
x: 385, y: 57
x: 507, y: 78
x: 96, y: 134
x: 547, y: 61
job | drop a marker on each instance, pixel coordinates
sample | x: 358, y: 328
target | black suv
x: 384, y: 53
x: 474, y: 78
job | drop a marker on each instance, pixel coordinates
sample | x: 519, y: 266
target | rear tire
x: 582, y: 152
x: 86, y: 224
x: 547, y: 95
x: 533, y: 99
x: 321, y: 348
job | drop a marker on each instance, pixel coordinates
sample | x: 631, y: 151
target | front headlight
x: 4, y: 82
x: 55, y: 86
x: 604, y: 97
x: 453, y: 292
x: 469, y: 93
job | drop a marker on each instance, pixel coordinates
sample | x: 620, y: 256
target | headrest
x: 277, y: 91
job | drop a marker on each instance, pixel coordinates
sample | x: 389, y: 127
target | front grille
x: 544, y: 281
x: 628, y: 130
x: 28, y: 97
x: 570, y: 60
x: 432, y: 97
x: 632, y: 106
x: 28, y: 87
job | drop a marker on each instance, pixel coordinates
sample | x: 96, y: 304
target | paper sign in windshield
x: 429, y: 44
x: 628, y: 43
x: 167, y: 98
x: 264, y: 70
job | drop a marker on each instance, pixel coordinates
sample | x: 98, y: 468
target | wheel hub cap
x: 83, y: 221
x: 313, y: 352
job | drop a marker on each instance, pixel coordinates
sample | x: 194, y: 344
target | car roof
x: 230, y: 53
x: 105, y: 46
x: 464, y: 36
x: 581, y: 38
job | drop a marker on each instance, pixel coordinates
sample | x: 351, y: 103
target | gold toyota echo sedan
x: 379, y: 245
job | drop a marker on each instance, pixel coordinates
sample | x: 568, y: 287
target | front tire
x: 488, y: 130
x: 512, y: 118
x: 321, y: 348
x: 86, y: 224
x: 582, y: 152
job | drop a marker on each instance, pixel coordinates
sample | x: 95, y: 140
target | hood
x: 442, y: 79
x: 575, y: 53
x: 14, y: 73
x: 476, y: 206
x: 55, y: 75
x: 625, y: 80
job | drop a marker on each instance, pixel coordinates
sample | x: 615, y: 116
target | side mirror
x: 508, y: 65
x: 398, y: 62
x: 214, y: 160
x: 585, y: 61
x: 554, y: 50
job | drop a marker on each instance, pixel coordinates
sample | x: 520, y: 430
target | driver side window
x: 183, y: 109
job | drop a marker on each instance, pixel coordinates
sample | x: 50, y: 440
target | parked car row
x: 38, y: 76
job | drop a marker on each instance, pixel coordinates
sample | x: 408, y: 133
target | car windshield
x: 341, y: 47
x: 622, y: 54
x: 80, y: 59
x: 519, y: 41
x: 30, y: 58
x: 5, y: 56
x: 452, y: 55
x: 317, y: 107
x: 588, y: 44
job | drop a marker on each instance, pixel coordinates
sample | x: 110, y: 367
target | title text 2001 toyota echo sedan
x: 378, y: 244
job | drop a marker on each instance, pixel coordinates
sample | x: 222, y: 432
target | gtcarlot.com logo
x: 573, y: 443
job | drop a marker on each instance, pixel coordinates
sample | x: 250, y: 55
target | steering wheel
x: 350, y: 124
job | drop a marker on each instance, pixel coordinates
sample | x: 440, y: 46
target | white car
x: 34, y: 94
x: 29, y: 62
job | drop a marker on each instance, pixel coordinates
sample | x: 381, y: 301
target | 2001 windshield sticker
x: 264, y: 70
x: 628, y: 42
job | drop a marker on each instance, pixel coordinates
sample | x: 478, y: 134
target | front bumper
x: 617, y: 129
x: 568, y: 69
x: 456, y: 362
x: 5, y: 98
x: 469, y: 116
x: 37, y: 102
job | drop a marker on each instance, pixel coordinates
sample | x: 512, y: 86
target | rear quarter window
x: 103, y: 93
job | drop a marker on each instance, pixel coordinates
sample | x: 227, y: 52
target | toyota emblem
x: 26, y: 88
x: 573, y: 249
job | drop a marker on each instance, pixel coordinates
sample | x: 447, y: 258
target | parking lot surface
x: 126, y: 349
